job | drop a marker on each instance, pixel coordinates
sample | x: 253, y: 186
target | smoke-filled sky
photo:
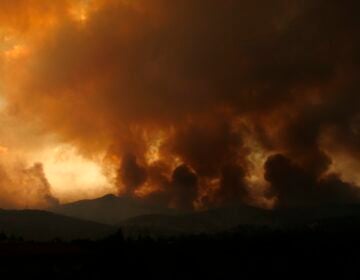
x: 189, y: 104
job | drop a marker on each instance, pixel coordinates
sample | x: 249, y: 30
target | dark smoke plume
x: 191, y: 97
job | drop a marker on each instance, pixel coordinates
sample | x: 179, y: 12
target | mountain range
x: 94, y: 219
x: 110, y: 209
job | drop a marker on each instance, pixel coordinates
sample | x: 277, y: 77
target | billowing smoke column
x: 189, y: 98
x: 22, y: 187
x: 295, y: 186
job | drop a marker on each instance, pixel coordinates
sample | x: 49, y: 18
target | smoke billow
x: 24, y: 187
x: 188, y: 98
x: 295, y: 186
x: 184, y: 184
x: 131, y: 174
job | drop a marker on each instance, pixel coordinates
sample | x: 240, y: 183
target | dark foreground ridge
x: 319, y: 250
x: 45, y: 226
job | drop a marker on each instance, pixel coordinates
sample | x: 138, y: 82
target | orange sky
x: 23, y: 27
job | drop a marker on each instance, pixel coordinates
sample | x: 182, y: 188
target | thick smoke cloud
x: 297, y: 187
x: 131, y: 174
x: 186, y: 97
x: 233, y: 187
x: 184, y: 184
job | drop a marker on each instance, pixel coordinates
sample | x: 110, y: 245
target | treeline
x: 242, y: 253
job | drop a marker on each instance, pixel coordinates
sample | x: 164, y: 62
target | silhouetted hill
x: 218, y: 220
x: 304, y: 215
x: 42, y: 226
x: 109, y: 209
x: 137, y: 217
x: 214, y: 220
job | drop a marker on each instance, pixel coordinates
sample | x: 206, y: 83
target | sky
x: 186, y: 104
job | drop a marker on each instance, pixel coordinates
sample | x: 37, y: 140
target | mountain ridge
x: 109, y: 209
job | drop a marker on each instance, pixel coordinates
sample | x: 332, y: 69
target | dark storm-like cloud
x: 184, y: 183
x: 131, y: 174
x: 295, y: 186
